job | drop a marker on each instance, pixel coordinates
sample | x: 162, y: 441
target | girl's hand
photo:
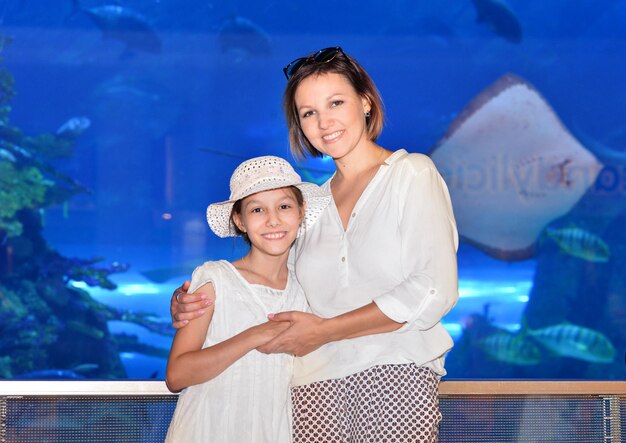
x: 185, y: 306
x: 266, y: 332
x: 304, y: 335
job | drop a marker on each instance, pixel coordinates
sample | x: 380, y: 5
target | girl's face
x: 332, y: 114
x: 271, y: 220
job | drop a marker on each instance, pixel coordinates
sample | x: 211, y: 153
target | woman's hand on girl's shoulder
x: 185, y: 307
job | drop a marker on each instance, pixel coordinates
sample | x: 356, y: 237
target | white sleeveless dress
x: 249, y: 402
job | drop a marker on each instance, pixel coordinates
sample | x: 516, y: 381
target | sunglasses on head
x: 322, y: 56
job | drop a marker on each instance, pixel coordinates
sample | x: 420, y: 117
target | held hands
x: 185, y: 306
x: 266, y: 332
x: 294, y: 332
x: 304, y: 334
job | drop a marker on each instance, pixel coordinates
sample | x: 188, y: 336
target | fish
x: 14, y: 150
x: 125, y: 25
x: 500, y: 18
x: 510, y: 348
x: 241, y: 38
x: 85, y: 368
x: 512, y: 168
x: 73, y: 127
x: 580, y: 243
x: 6, y: 155
x: 581, y: 343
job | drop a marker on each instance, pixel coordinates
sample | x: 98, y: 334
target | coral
x: 47, y: 326
x: 19, y: 189
x: 49, y: 146
x: 77, y: 269
x: 6, y: 79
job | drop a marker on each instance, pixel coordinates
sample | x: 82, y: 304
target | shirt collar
x: 393, y: 158
x: 396, y: 156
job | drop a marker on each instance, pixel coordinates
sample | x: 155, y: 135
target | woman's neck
x: 360, y: 161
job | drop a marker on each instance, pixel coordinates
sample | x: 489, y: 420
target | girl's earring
x: 368, y: 114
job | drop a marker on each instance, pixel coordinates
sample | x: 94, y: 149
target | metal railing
x: 473, y: 411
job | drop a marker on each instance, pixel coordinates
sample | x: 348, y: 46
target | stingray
x: 512, y: 167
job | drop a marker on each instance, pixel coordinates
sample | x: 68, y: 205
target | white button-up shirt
x: 399, y: 251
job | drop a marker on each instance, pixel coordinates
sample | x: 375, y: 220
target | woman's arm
x: 307, y: 332
x: 188, y: 364
x: 185, y: 307
x: 429, y: 289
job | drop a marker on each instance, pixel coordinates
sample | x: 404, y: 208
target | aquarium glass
x: 120, y: 121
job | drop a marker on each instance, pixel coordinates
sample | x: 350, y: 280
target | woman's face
x: 332, y: 114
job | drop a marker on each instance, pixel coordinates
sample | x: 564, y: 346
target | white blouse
x: 248, y: 402
x: 399, y: 251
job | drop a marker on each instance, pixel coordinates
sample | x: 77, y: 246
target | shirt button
x: 343, y: 259
x: 353, y: 214
x: 432, y: 291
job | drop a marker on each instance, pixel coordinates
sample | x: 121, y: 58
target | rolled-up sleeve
x: 429, y: 241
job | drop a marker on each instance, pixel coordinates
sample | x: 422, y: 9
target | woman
x: 378, y: 268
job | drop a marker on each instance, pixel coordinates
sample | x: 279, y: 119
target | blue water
x: 168, y: 126
x: 506, y: 295
x: 503, y: 287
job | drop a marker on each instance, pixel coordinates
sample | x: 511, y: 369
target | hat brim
x: 219, y: 214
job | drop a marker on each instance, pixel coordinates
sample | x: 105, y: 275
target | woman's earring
x: 368, y: 114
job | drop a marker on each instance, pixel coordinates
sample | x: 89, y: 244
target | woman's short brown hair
x: 360, y: 80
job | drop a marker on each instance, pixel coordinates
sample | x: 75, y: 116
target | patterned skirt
x: 383, y: 404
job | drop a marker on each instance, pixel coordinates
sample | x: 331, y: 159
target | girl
x: 231, y: 392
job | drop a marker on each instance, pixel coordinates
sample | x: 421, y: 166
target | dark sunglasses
x: 322, y: 56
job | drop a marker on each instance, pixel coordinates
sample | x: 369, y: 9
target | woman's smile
x: 330, y: 138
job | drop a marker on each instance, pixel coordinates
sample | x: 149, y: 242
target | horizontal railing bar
x: 531, y: 387
x: 83, y: 387
x: 446, y: 388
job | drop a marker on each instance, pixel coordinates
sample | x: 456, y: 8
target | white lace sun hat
x: 263, y: 174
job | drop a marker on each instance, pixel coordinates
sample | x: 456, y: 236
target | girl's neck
x: 263, y: 269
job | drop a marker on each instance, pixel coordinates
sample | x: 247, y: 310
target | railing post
x: 3, y: 419
x: 611, y: 418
